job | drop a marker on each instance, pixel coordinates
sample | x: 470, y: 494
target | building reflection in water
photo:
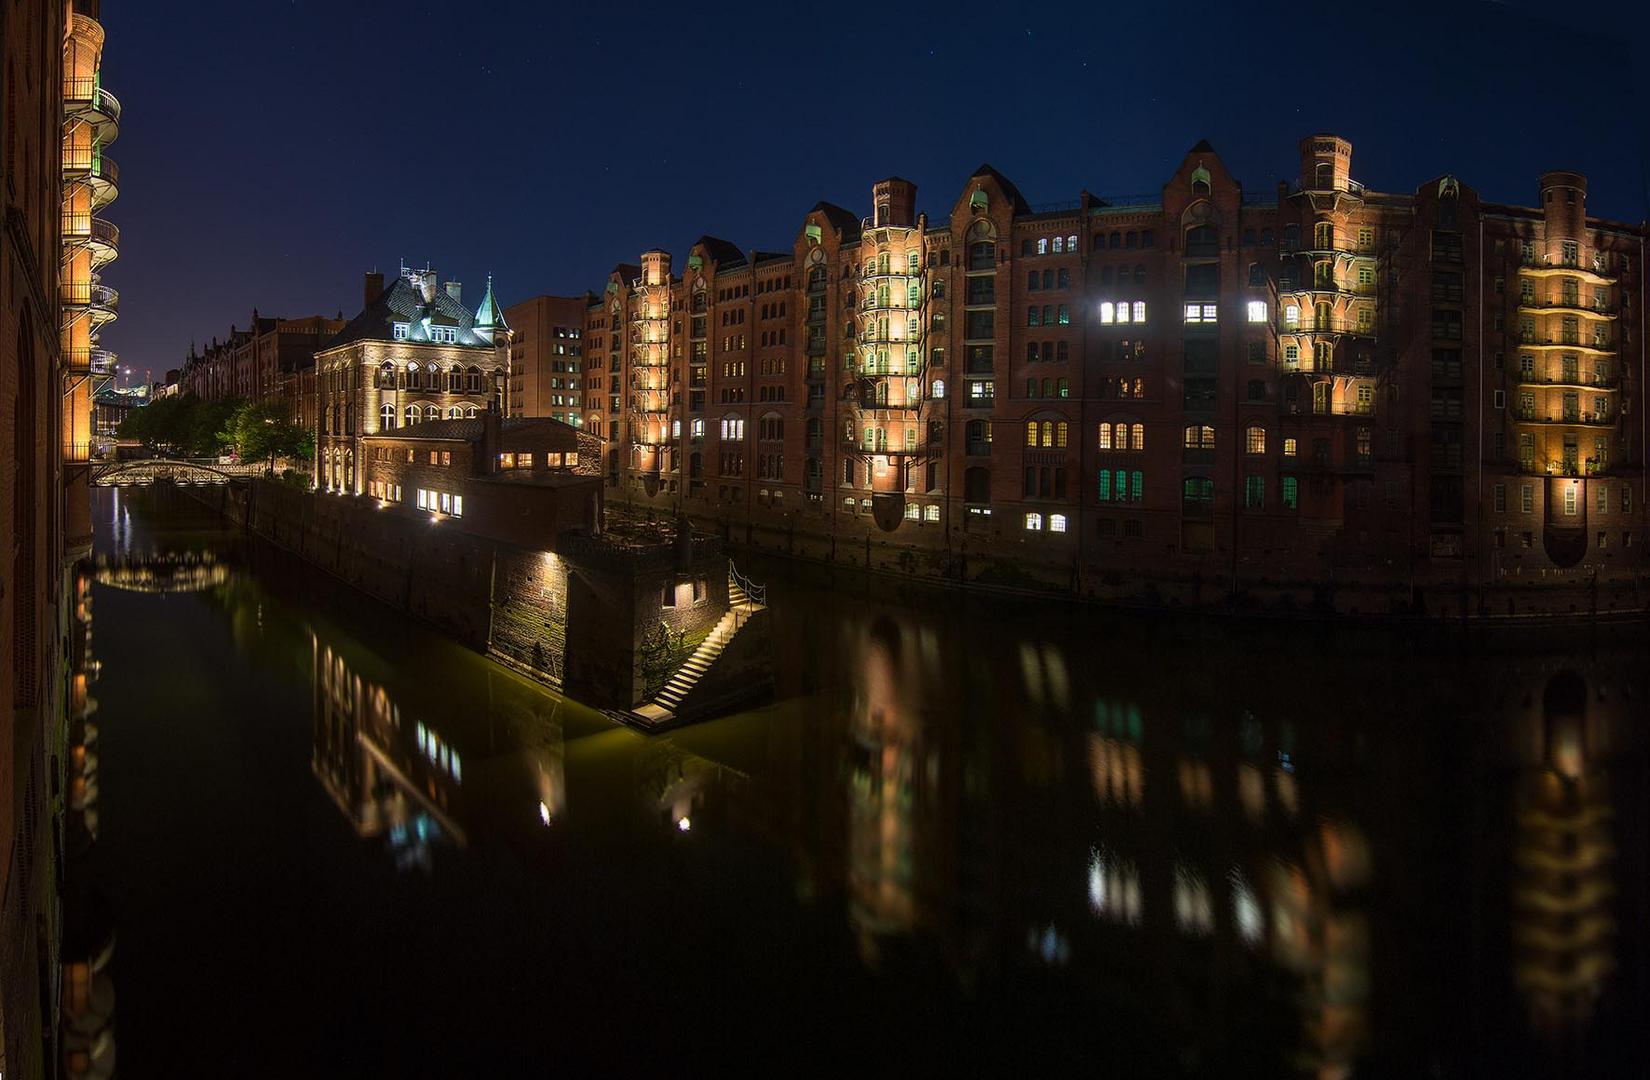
x: 87, y: 1000
x: 1564, y: 887
x: 391, y: 778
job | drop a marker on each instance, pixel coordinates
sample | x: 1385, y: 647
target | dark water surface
x: 966, y: 839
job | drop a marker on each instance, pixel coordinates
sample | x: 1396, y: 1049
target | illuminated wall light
x: 544, y: 813
x: 684, y: 823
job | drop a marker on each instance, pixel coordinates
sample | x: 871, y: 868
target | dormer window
x: 399, y: 331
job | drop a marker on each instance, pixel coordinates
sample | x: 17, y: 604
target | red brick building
x: 547, y: 357
x: 523, y: 481
x: 272, y: 359
x: 1209, y: 387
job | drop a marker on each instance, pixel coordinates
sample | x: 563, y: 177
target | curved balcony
x: 84, y: 99
x: 1550, y: 270
x: 1564, y: 307
x: 1332, y: 325
x: 1592, y: 348
x: 1578, y: 383
x: 1576, y: 419
x: 83, y: 165
x: 103, y: 241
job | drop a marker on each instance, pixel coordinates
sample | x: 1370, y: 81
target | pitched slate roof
x: 726, y: 253
x: 1013, y: 193
x: 843, y: 221
x: 403, y: 301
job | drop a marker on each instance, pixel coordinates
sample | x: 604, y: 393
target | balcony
x: 1330, y: 325
x: 1578, y: 419
x: 1593, y: 276
x: 1568, y: 342
x: 1571, y: 382
x: 85, y: 99
x: 102, y: 301
x: 1566, y: 306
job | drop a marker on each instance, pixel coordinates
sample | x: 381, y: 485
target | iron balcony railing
x: 85, y: 93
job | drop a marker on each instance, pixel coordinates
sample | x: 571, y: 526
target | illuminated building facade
x: 1212, y: 388
x: 546, y: 357
x: 273, y: 359
x: 414, y: 353
x: 90, y: 242
x: 44, y: 495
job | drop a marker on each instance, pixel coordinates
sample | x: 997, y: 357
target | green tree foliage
x: 192, y: 427
x: 261, y: 431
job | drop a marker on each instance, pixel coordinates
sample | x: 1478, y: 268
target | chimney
x: 374, y: 288
x: 492, y: 432
x: 455, y: 290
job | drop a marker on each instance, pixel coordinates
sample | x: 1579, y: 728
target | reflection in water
x: 1157, y: 860
x: 1564, y: 891
x: 388, y: 780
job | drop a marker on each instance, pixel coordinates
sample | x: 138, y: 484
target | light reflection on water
x: 1178, y: 849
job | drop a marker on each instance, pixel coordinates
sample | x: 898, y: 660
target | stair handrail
x: 757, y: 593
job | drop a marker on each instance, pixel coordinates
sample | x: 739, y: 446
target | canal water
x: 965, y: 838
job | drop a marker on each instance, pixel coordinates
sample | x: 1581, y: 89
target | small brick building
x: 522, y: 481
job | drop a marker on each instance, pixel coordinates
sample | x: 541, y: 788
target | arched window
x: 470, y: 413
x: 386, y: 375
x: 1115, y: 240
x: 939, y: 389
x: 386, y: 416
x: 455, y: 378
x: 982, y: 255
x: 1254, y: 439
x: 412, y: 414
x: 473, y: 380
x: 1324, y: 177
x: 452, y: 412
x: 1105, y: 436
x: 733, y: 428
x: 414, y: 377
x: 1323, y: 236
x: 1042, y: 246
x: 431, y: 412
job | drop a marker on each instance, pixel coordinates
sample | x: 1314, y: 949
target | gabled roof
x: 725, y: 253
x: 404, y: 302
x: 1015, y: 199
x: 843, y: 221
x: 1202, y: 147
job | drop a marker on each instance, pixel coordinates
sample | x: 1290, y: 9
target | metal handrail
x: 757, y: 593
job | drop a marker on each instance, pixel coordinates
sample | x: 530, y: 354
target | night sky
x: 271, y: 152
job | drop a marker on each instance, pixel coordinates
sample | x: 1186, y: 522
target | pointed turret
x: 489, y: 316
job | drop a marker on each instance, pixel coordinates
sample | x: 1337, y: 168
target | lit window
x: 1291, y: 315
x: 1108, y: 312
x: 913, y: 512
x: 1201, y: 313
x: 1034, y: 522
x: 1257, y: 311
x: 423, y: 499
x: 524, y: 461
x: 1254, y: 440
x: 1140, y: 311
x: 931, y: 513
x: 507, y: 461
x: 458, y: 506
x: 1057, y: 523
x: 1289, y: 446
x: 446, y: 503
x: 400, y: 333
x: 939, y: 389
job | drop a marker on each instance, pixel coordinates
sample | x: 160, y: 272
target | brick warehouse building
x: 1205, y: 386
x: 546, y: 357
x: 273, y: 359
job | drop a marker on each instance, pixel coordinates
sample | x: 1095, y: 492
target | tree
x: 261, y: 430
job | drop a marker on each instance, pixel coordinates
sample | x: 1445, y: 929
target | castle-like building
x: 1315, y: 383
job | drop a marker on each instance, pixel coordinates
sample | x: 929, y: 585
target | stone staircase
x: 740, y: 608
x: 744, y: 600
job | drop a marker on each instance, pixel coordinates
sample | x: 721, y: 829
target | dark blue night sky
x: 271, y: 152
